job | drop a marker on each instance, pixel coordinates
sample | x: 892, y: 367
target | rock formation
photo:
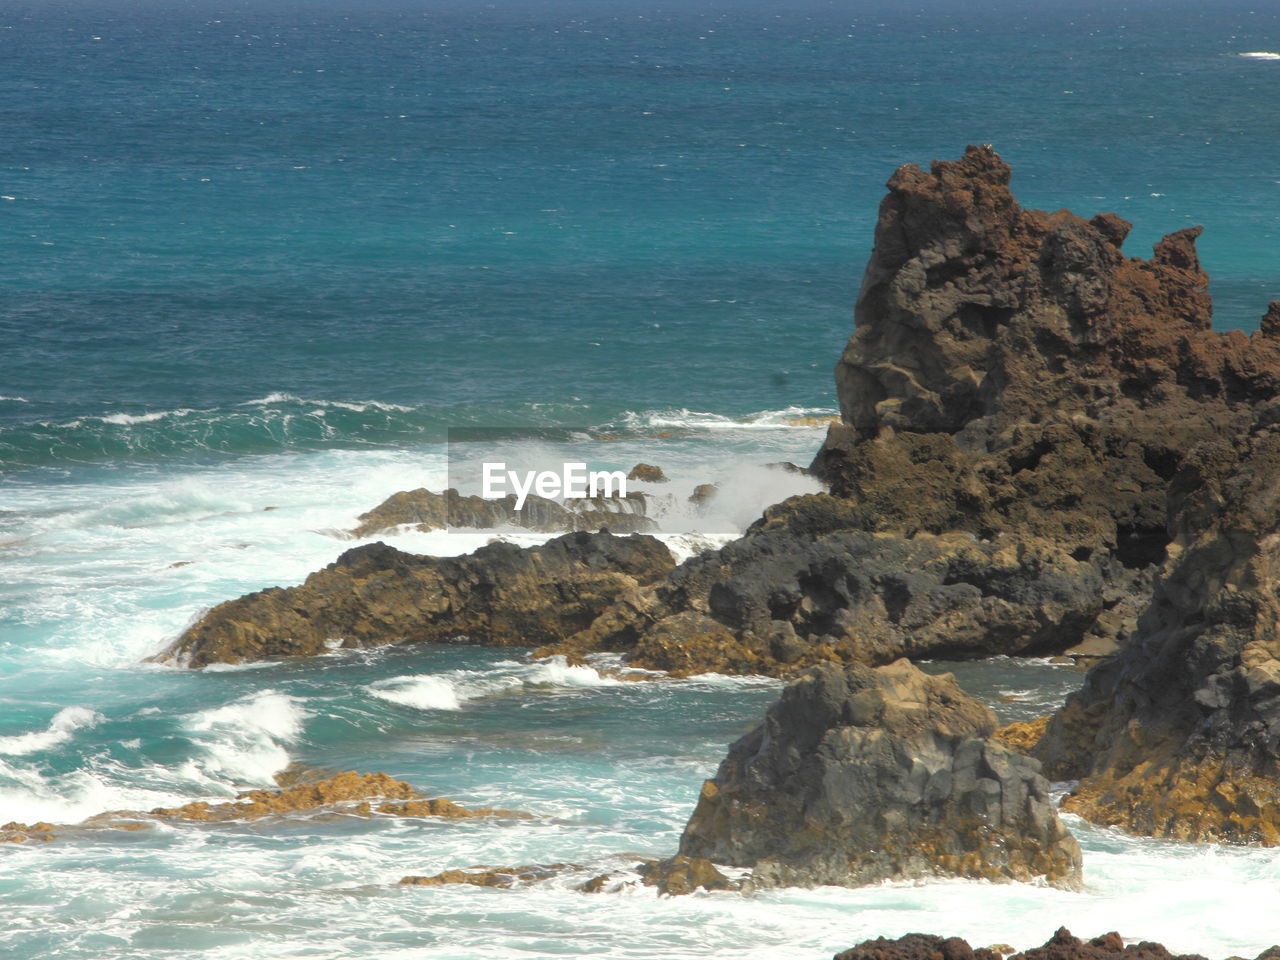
x: 371, y: 595
x: 506, y: 877
x: 809, y: 583
x: 680, y: 876
x: 14, y: 832
x: 862, y: 774
x: 1061, y: 946
x: 425, y: 511
x: 647, y: 473
x: 1015, y: 399
x: 1179, y: 735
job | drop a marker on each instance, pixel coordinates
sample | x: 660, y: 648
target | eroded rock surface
x: 372, y: 595
x: 1179, y: 735
x: 859, y: 775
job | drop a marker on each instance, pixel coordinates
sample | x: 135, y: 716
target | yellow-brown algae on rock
x: 1022, y: 735
x: 361, y: 794
x: 1178, y: 736
x: 504, y: 877
x: 14, y: 832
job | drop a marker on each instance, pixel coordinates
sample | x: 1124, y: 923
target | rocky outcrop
x: 14, y: 832
x: 647, y: 473
x: 680, y: 876
x: 362, y: 794
x: 425, y: 511
x: 1016, y: 397
x: 859, y: 775
x: 1179, y: 735
x: 505, y: 877
x: 372, y: 595
x: 1061, y: 946
x: 1022, y: 735
x: 810, y: 583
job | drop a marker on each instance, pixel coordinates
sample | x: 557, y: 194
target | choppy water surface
x: 260, y: 258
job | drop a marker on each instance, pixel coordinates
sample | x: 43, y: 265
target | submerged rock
x: 490, y: 876
x: 350, y: 792
x: 1061, y: 946
x: 1179, y: 735
x: 859, y: 775
x: 372, y: 595
x: 14, y: 832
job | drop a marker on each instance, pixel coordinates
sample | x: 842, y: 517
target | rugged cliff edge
x: 1179, y: 736
x: 859, y: 775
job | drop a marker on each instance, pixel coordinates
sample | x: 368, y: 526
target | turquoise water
x: 265, y: 255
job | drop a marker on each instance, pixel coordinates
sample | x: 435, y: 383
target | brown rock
x: 357, y: 793
x: 426, y: 511
x: 1022, y: 735
x: 490, y: 876
x: 860, y: 775
x: 1179, y: 734
x: 1062, y: 946
x: 680, y: 875
x: 372, y: 595
x: 647, y: 473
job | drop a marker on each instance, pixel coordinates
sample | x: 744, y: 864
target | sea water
x: 259, y: 258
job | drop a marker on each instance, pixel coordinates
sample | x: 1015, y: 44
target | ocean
x: 265, y: 255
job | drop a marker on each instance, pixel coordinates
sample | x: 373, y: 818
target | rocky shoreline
x: 1044, y: 448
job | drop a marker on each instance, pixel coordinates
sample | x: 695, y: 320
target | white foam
x: 16, y: 399
x: 131, y: 418
x: 420, y: 691
x: 246, y: 741
x: 450, y: 690
x: 61, y: 729
x: 1260, y: 55
x: 685, y: 419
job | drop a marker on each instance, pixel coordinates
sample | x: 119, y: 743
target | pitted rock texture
x: 1179, y: 735
x: 372, y: 595
x: 859, y: 775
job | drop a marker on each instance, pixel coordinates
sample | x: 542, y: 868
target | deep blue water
x: 262, y: 255
x: 470, y: 208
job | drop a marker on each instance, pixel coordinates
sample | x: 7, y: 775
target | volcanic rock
x: 372, y: 595
x: 1179, y: 734
x: 425, y: 511
x: 1061, y: 946
x: 358, y: 793
x: 859, y: 775
x: 680, y: 875
x: 647, y: 473
x: 1015, y: 399
x: 489, y: 876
